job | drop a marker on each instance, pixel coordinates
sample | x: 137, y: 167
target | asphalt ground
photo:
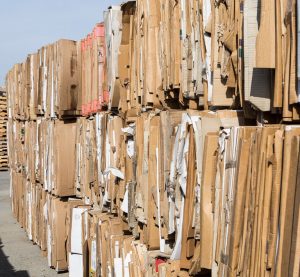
x: 18, y: 255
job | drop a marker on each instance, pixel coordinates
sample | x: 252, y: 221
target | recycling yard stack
x: 164, y: 143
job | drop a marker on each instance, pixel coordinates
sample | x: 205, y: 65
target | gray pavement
x: 18, y: 255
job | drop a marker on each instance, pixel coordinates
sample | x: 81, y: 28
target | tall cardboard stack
x: 47, y: 83
x: 44, y: 98
x: 3, y: 130
x: 93, y: 78
x: 145, y: 149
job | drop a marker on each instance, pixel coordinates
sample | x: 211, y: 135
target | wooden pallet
x: 3, y: 132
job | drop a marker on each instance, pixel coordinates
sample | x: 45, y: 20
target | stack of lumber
x: 3, y: 133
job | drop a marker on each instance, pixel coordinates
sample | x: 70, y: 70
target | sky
x: 26, y: 25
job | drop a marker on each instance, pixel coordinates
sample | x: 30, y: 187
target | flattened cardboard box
x: 64, y: 158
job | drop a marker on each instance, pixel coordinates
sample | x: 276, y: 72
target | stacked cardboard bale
x: 3, y: 130
x: 157, y: 178
x: 192, y: 54
x: 184, y: 192
x: 256, y: 228
x: 93, y: 58
x: 40, y: 188
x: 47, y: 83
x: 44, y: 95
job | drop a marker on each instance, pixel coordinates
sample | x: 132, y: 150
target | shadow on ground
x: 6, y: 269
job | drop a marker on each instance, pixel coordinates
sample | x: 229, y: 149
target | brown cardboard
x: 59, y: 233
x: 265, y: 58
x: 206, y: 217
x: 64, y: 158
x: 187, y: 244
x: 68, y: 76
x: 287, y: 199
